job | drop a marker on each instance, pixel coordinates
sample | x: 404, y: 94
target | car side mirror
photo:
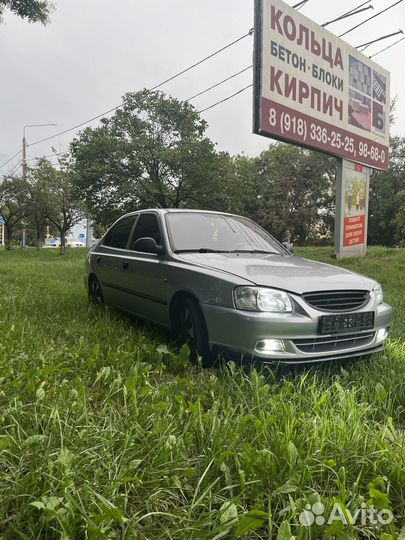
x: 148, y: 245
x: 289, y: 247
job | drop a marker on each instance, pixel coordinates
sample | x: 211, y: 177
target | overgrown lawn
x: 105, y: 434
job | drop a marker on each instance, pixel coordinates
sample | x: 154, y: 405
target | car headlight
x: 262, y: 299
x: 378, y: 293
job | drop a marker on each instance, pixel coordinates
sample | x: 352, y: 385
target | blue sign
x: 81, y: 235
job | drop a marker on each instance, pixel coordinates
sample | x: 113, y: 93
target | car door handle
x: 98, y: 259
x: 125, y: 264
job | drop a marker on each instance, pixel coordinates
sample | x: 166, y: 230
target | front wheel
x: 95, y: 292
x: 193, y: 331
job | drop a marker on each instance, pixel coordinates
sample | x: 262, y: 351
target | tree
x: 37, y: 205
x: 33, y: 10
x: 246, y: 189
x: 13, y: 197
x: 61, y: 207
x: 152, y: 153
x: 385, y: 201
x: 400, y: 219
x: 296, y: 192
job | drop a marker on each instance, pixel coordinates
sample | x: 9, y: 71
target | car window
x: 217, y: 232
x: 118, y: 235
x: 146, y: 226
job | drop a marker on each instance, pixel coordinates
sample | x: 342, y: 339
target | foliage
x: 37, y: 206
x: 386, y: 206
x: 56, y: 202
x: 151, y: 153
x: 154, y: 152
x: 32, y: 10
x: 400, y: 218
x: 289, y: 191
x: 100, y: 439
x: 13, y: 205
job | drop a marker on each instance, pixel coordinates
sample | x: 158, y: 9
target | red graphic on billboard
x: 354, y: 231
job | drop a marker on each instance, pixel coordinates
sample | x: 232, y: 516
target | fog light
x: 382, y: 334
x: 270, y: 345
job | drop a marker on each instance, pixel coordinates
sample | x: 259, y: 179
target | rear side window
x: 147, y: 225
x: 118, y: 235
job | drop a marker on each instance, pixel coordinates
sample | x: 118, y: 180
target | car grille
x: 336, y: 300
x: 334, y: 343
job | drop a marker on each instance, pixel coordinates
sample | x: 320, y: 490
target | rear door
x: 110, y: 261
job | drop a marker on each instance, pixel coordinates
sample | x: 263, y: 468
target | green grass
x: 103, y: 434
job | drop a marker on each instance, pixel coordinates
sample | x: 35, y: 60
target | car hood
x: 288, y: 273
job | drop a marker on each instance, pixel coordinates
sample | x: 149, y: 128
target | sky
x: 93, y: 51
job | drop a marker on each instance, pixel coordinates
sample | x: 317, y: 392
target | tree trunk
x: 62, y: 241
x: 9, y: 237
x: 38, y: 236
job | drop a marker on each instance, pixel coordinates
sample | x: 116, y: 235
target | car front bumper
x: 244, y: 332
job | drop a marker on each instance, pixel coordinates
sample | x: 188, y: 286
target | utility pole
x: 24, y: 155
x: 24, y: 146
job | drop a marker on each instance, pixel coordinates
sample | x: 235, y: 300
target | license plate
x: 332, y: 324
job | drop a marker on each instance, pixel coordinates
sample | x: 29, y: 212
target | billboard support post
x: 339, y: 208
x: 351, y: 214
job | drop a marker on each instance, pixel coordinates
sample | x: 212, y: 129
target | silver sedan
x: 222, y: 283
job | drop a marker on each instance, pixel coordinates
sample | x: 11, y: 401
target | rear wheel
x: 193, y: 331
x: 95, y: 292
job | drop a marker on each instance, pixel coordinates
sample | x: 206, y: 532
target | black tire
x: 193, y: 331
x: 95, y: 291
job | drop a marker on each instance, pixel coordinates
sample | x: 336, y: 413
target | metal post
x: 339, y: 209
x: 24, y: 156
x: 88, y: 232
x: 24, y: 146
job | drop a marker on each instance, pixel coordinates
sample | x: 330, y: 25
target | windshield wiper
x: 255, y: 251
x: 201, y: 250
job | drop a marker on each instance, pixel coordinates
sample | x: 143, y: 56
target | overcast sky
x: 93, y: 51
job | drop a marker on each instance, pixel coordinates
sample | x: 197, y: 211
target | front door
x: 145, y: 278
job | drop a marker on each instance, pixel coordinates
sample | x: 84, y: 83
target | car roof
x: 163, y: 211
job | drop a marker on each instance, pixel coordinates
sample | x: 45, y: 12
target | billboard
x: 313, y: 89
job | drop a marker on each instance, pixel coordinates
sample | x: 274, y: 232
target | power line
x: 189, y: 99
x: 226, y: 99
x: 300, y: 5
x: 220, y: 82
x: 372, y: 17
x: 12, y: 171
x: 249, y: 33
x: 365, y: 45
x: 356, y: 7
x: 8, y: 161
x: 47, y: 156
x: 346, y: 15
x: 386, y: 48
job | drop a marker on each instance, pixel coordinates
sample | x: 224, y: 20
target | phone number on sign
x: 331, y: 139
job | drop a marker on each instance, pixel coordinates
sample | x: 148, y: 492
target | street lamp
x: 24, y: 146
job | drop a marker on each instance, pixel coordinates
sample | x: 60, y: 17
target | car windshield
x: 205, y: 233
